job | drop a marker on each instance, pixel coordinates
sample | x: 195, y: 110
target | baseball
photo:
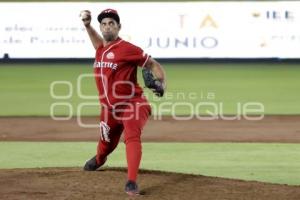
x: 85, y: 15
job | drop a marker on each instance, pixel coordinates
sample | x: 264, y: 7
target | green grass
x: 25, y: 89
x: 274, y: 163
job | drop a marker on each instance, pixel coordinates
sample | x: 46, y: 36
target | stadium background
x: 25, y: 92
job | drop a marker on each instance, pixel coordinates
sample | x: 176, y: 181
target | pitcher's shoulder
x: 130, y: 45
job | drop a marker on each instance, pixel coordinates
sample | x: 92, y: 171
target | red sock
x: 134, y: 155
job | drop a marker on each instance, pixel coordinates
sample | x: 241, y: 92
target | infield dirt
x: 108, y: 183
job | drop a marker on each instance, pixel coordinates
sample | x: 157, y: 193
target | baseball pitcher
x: 123, y: 106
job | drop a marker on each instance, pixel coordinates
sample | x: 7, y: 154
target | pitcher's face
x: 109, y: 29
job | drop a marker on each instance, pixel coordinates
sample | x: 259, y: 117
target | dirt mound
x: 108, y: 184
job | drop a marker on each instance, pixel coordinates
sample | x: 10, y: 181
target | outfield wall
x: 181, y: 30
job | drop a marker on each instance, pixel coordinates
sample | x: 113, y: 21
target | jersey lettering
x: 111, y: 65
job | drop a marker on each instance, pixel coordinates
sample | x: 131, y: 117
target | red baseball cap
x: 111, y: 13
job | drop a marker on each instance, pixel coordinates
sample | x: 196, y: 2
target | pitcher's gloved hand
x: 154, y: 84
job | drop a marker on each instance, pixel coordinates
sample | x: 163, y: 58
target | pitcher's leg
x: 108, y: 141
x: 110, y: 132
x: 133, y: 126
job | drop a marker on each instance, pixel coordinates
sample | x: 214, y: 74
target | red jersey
x: 115, y: 71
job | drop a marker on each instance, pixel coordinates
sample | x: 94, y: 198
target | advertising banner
x: 164, y: 30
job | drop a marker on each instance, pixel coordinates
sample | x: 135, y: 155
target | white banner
x: 164, y: 30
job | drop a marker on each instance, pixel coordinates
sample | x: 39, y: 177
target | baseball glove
x: 154, y: 84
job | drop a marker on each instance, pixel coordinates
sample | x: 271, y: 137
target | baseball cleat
x: 91, y: 165
x: 131, y: 188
